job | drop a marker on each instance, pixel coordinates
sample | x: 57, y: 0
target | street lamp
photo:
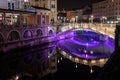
x: 104, y: 19
x: 92, y: 18
x: 76, y: 19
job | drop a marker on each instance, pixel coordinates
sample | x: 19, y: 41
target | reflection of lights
x: 91, y: 39
x: 87, y: 44
x: 61, y: 58
x: 58, y: 61
x: 76, y: 59
x: 48, y: 56
x: 93, y: 61
x: 63, y: 53
x: 91, y: 70
x: 91, y: 52
x: 76, y: 66
x: 70, y: 57
x: 86, y: 55
x: 85, y: 51
x: 85, y: 61
x: 17, y: 77
x: 102, y: 60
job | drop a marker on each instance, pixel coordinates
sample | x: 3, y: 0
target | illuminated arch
x: 39, y: 32
x: 27, y: 34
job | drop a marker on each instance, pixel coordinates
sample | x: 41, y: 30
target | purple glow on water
x: 94, y: 43
x: 101, y: 47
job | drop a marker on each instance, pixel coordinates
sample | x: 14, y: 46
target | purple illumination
x: 82, y: 43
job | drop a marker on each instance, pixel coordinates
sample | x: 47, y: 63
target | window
x: 9, y: 5
x: 12, y: 5
x: 52, y: 6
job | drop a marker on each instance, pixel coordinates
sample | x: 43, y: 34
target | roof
x: 42, y: 8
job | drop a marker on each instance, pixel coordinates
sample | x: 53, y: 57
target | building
x: 49, y: 4
x: 107, y: 10
x: 23, y: 25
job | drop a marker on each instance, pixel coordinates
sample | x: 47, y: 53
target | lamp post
x: 91, y: 20
x: 104, y: 19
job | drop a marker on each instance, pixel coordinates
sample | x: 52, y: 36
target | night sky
x: 70, y: 4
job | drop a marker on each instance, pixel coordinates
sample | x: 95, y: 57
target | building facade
x: 107, y: 10
x: 49, y: 4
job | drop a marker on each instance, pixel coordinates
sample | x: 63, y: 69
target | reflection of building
x: 33, y: 62
x: 107, y: 8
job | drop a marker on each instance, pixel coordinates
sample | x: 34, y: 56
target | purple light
x: 97, y: 45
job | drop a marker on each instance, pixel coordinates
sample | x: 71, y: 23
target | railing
x: 107, y: 29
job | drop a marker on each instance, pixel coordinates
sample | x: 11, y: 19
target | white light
x: 91, y: 52
x: 26, y: 1
x: 58, y: 61
x: 17, y: 77
x: 91, y: 70
x: 76, y: 66
x: 85, y: 51
x: 61, y: 58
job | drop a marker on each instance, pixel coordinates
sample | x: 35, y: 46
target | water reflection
x: 28, y: 62
x: 86, y: 47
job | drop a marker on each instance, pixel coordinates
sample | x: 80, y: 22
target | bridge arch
x: 13, y: 35
x: 39, y: 32
x: 27, y: 34
x: 1, y: 38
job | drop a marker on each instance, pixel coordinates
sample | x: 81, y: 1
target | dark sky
x: 70, y: 4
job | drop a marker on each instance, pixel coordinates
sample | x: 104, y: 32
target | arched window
x: 14, y: 35
x: 39, y: 32
x: 27, y: 34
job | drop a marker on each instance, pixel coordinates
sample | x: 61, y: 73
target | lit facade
x: 49, y: 4
x: 12, y: 4
x: 108, y: 8
x: 74, y: 15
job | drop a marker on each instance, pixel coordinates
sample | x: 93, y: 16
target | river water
x: 32, y: 63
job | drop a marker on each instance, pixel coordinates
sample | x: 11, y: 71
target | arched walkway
x: 27, y: 34
x: 14, y: 35
x: 39, y: 32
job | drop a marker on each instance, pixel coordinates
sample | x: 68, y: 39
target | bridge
x: 105, y: 29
